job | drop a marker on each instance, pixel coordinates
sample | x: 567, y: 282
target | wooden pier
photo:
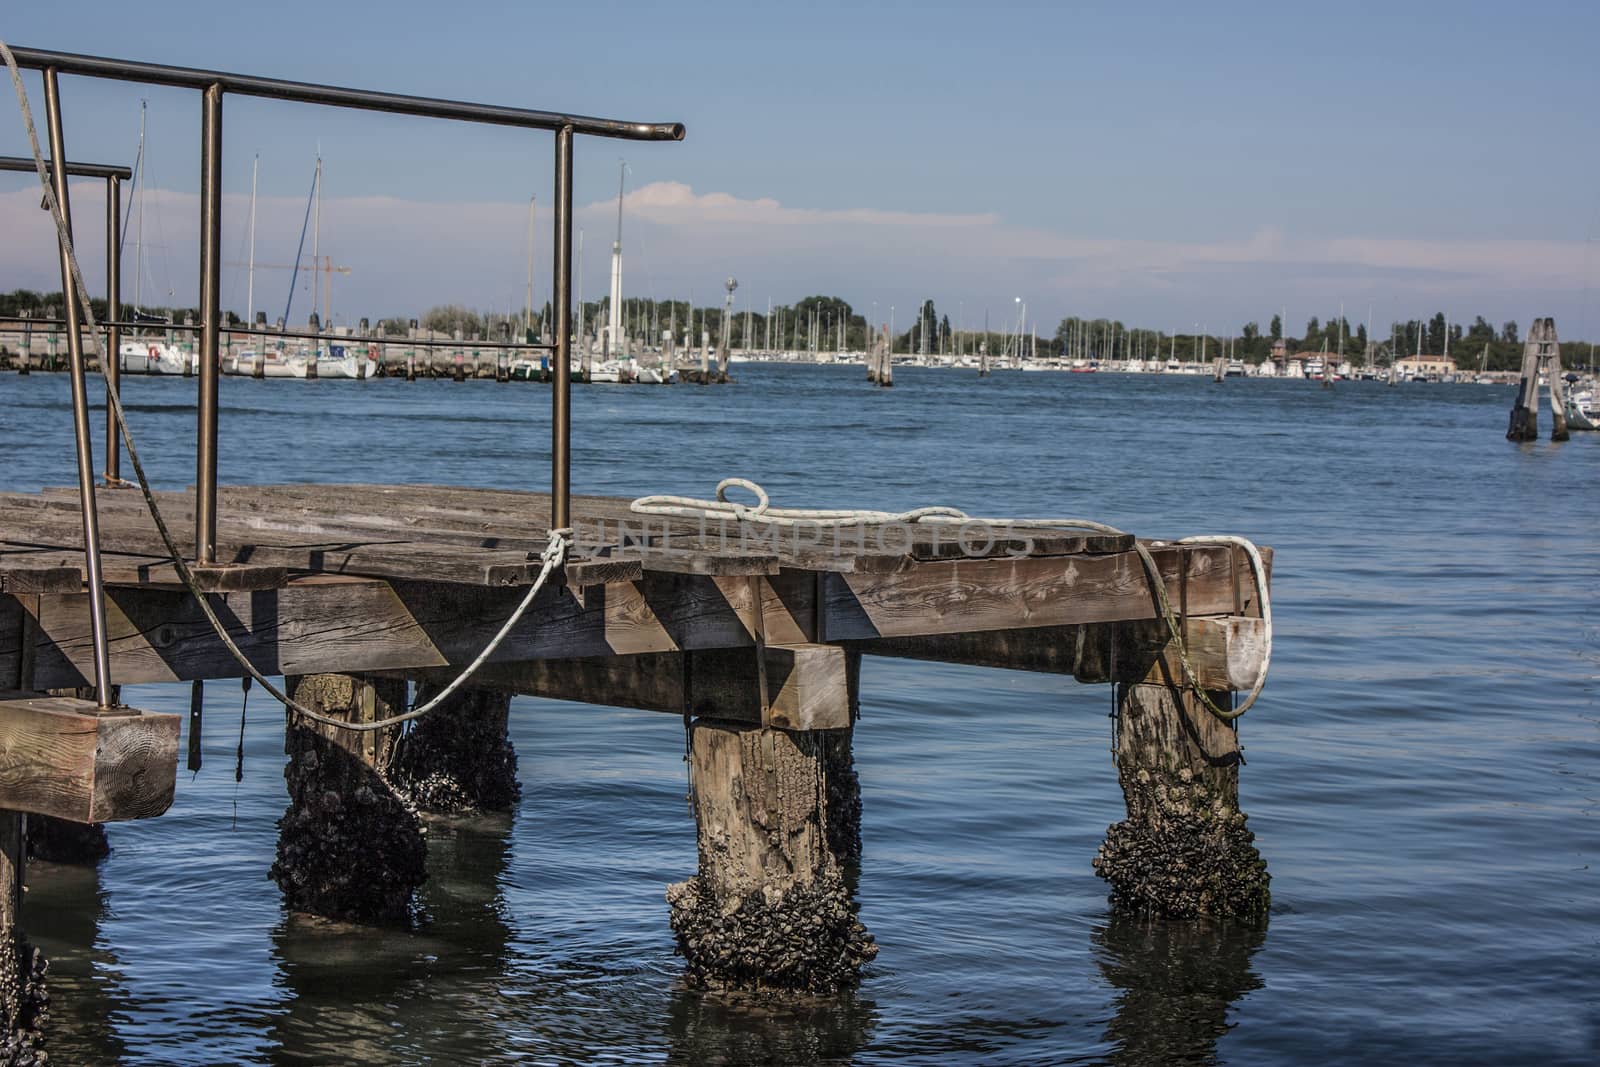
x: 753, y: 635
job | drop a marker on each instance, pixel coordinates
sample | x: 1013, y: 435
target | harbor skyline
x: 1080, y: 171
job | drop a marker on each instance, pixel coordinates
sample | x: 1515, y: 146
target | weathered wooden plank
x: 322, y: 624
x: 1225, y: 652
x: 265, y: 548
x: 611, y: 518
x: 63, y: 757
x: 328, y: 624
x: 809, y: 687
x: 996, y: 594
x: 40, y: 579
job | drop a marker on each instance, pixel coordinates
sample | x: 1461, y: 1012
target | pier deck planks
x: 382, y: 577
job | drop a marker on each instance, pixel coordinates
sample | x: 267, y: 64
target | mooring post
x: 24, y: 1002
x: 769, y: 908
x: 349, y: 847
x: 1525, y: 412
x: 1558, y: 388
x: 1184, y: 850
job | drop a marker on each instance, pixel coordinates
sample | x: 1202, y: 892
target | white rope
x: 686, y: 507
x: 554, y: 553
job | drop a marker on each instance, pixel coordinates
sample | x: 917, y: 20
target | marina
x: 388, y: 721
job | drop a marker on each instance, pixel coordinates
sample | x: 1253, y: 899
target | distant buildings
x: 1424, y: 366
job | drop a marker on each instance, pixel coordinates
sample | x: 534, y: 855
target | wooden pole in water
x: 1558, y: 388
x: 23, y: 1000
x: 1525, y: 413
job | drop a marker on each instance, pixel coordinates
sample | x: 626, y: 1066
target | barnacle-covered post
x: 1184, y: 851
x: 769, y: 908
x: 350, y: 846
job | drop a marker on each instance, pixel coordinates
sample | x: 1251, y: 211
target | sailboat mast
x: 527, y: 316
x: 250, y: 288
x: 138, y: 241
x: 316, y: 233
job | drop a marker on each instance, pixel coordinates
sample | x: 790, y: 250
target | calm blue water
x: 1423, y: 774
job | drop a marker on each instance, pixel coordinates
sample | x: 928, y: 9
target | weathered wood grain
x: 996, y: 594
x: 65, y: 758
x: 809, y: 687
x: 1225, y: 652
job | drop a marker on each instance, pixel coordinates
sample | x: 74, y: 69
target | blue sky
x: 1164, y: 164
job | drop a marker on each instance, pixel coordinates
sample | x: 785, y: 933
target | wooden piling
x: 1525, y: 412
x: 1558, y: 388
x: 1184, y: 850
x: 768, y: 908
x: 458, y: 758
x: 350, y: 847
x: 24, y: 1001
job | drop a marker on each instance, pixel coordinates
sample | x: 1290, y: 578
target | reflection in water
x: 1177, y: 978
x: 377, y: 993
x: 62, y: 915
x: 722, y: 1028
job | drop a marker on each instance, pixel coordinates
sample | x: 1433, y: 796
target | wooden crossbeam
x: 68, y: 759
x: 1225, y: 652
x: 809, y: 686
x: 319, y: 624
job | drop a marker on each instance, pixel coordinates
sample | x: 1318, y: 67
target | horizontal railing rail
x: 336, y: 96
x: 22, y: 164
x: 398, y: 340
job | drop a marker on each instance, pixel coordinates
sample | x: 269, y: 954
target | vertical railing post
x: 80, y: 398
x: 205, y: 520
x: 561, y: 389
x: 111, y: 358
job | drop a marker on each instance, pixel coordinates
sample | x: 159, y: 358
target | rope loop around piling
x: 720, y: 507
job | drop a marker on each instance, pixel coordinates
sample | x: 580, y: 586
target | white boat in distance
x: 344, y: 361
x: 151, y: 357
x: 1582, y: 413
x: 275, y: 364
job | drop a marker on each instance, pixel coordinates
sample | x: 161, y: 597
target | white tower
x: 614, y: 330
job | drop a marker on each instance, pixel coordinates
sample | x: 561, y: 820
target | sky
x: 1169, y: 165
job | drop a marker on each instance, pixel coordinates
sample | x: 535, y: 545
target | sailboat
x: 146, y: 355
x: 274, y: 363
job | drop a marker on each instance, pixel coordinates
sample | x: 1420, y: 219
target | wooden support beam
x: 326, y: 623
x: 71, y: 760
x: 809, y: 687
x: 1225, y: 651
x: 995, y: 594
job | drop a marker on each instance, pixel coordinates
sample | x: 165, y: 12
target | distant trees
x: 448, y: 318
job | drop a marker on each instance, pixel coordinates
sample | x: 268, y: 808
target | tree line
x: 1469, y: 345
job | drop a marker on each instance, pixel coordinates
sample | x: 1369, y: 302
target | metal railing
x: 114, y: 176
x: 213, y: 85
